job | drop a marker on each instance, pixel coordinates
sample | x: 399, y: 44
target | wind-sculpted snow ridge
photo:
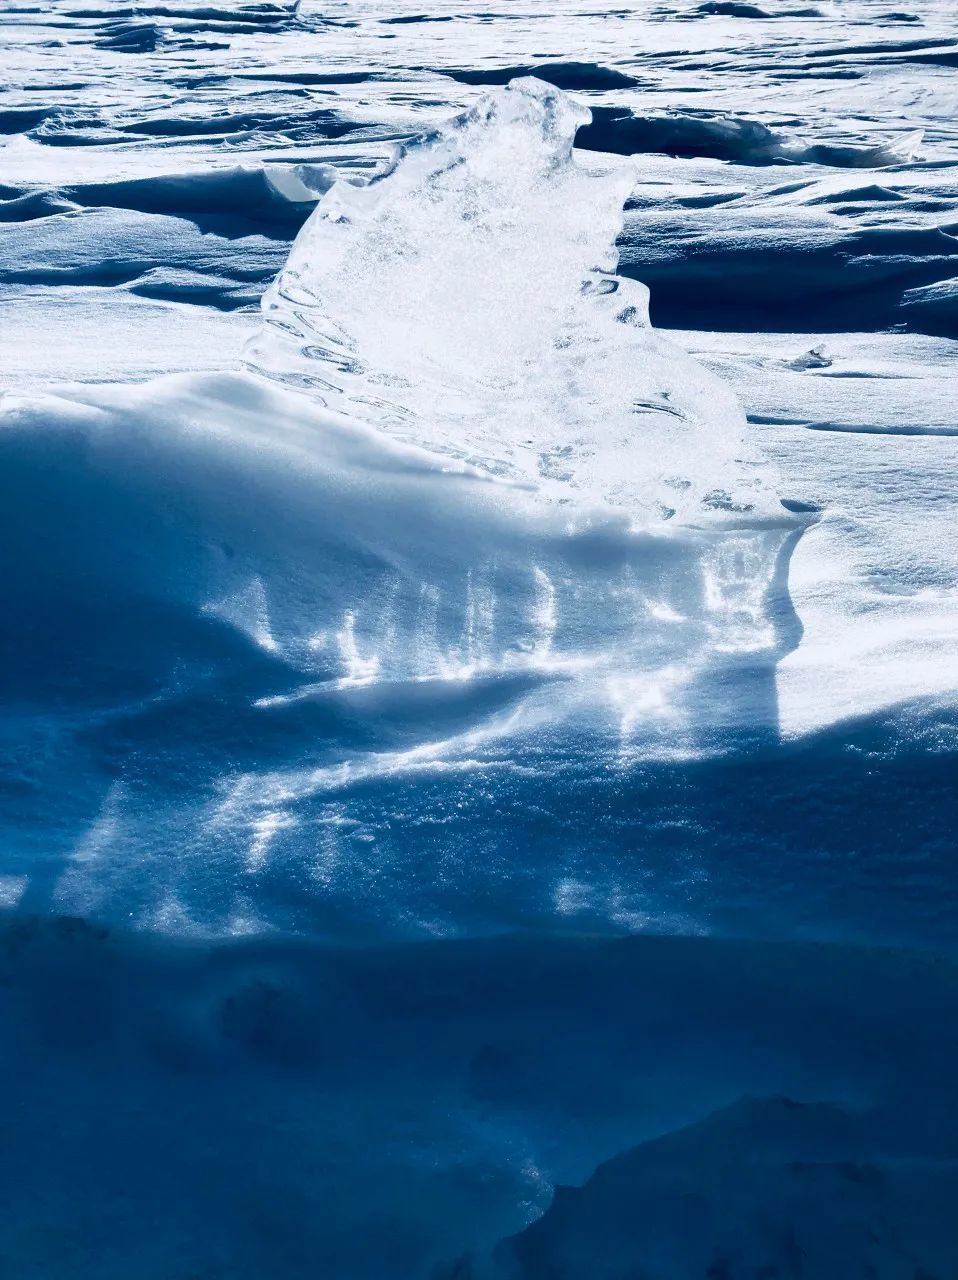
x: 735, y: 139
x: 465, y: 300
x: 294, y: 616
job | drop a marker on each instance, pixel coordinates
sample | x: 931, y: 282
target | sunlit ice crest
x: 465, y: 300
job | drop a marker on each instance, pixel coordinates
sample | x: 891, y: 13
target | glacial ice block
x: 465, y: 299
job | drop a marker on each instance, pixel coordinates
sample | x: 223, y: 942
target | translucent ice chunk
x: 465, y: 300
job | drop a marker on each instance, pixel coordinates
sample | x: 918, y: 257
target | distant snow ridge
x: 465, y: 300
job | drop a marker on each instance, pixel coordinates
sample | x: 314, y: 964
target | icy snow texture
x: 466, y: 300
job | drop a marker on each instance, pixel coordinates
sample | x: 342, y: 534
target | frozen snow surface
x: 479, y: 640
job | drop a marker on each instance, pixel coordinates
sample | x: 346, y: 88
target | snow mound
x: 765, y: 1187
